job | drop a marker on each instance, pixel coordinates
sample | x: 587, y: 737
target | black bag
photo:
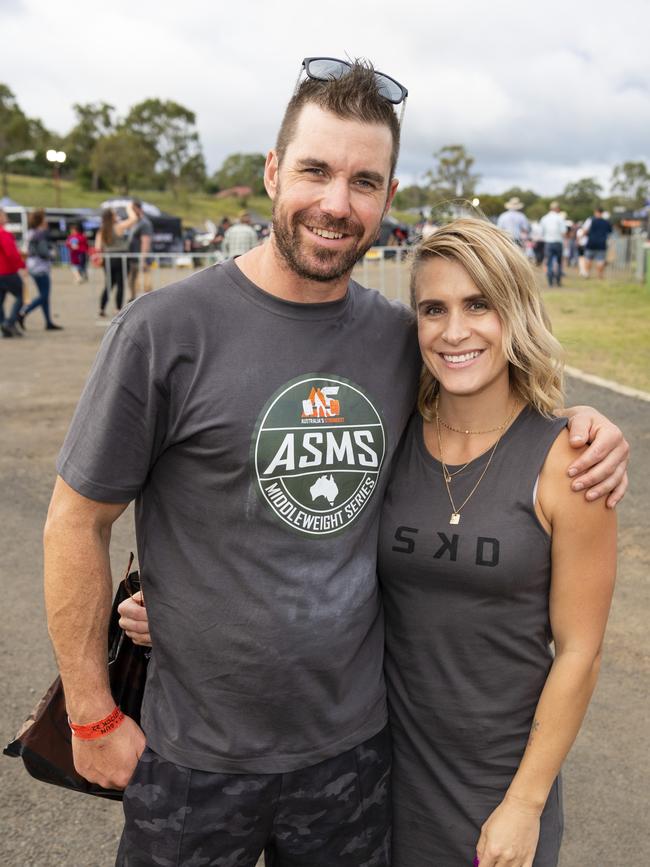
x: 44, y: 742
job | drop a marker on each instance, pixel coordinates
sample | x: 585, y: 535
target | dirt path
x: 42, y: 375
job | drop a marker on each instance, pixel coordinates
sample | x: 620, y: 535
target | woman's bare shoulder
x: 555, y: 494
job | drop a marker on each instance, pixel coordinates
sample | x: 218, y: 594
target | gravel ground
x: 606, y: 775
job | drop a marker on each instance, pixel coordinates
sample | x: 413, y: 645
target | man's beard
x: 332, y: 264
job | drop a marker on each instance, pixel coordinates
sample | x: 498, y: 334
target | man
x: 537, y: 242
x: 596, y: 250
x: 240, y: 238
x: 554, y: 229
x: 428, y: 228
x: 222, y: 228
x: 10, y: 280
x: 513, y: 221
x: 140, y: 243
x: 252, y: 411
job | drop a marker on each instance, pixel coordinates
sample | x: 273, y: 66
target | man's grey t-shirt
x: 255, y: 435
x: 144, y: 227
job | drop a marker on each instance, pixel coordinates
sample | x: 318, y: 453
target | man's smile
x: 326, y: 233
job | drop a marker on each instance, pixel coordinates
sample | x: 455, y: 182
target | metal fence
x: 153, y: 270
x: 383, y: 268
x: 386, y: 269
x: 626, y: 256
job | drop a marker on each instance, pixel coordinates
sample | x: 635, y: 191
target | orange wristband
x: 98, y: 729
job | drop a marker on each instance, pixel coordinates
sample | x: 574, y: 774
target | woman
x: 112, y: 238
x: 39, y: 265
x: 485, y: 559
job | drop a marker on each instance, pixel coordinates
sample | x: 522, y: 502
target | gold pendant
x: 455, y: 518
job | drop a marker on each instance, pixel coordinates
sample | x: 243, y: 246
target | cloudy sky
x: 540, y: 93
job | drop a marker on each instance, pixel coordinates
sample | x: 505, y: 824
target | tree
x: 491, y: 205
x: 631, y: 181
x: 32, y: 161
x: 452, y: 178
x: 581, y: 197
x: 242, y: 170
x: 537, y: 210
x: 14, y: 132
x: 412, y: 196
x: 193, y: 173
x: 528, y: 197
x: 169, y: 130
x: 124, y: 160
x: 95, y: 120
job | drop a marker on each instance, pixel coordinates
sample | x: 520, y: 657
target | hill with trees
x: 154, y: 151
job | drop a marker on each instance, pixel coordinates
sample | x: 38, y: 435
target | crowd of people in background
x: 228, y: 239
x: 558, y: 241
x: 38, y: 266
x: 122, y: 247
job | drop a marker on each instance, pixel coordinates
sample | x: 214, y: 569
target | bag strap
x: 128, y: 566
x: 132, y: 581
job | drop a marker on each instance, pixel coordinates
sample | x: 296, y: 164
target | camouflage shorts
x: 333, y: 814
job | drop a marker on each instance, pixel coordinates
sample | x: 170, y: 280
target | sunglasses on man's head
x: 328, y: 68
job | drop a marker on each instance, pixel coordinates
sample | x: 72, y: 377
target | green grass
x: 604, y: 326
x: 192, y: 208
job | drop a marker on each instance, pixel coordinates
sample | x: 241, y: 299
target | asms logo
x: 322, y: 404
x: 316, y: 467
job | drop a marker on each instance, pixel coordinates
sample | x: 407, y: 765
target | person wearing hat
x: 240, y: 238
x: 513, y: 220
x: 554, y: 228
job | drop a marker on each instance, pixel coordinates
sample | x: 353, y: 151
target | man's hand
x: 111, y: 760
x: 133, y: 619
x: 602, y: 469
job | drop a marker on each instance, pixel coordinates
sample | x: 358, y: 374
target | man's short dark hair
x: 352, y: 97
x: 137, y: 204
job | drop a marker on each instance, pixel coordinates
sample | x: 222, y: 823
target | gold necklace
x: 474, y: 432
x: 455, y: 512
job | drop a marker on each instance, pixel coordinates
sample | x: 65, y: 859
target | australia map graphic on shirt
x: 325, y: 486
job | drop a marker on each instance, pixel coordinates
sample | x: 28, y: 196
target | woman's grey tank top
x: 467, y: 639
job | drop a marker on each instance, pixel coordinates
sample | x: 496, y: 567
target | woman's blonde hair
x: 503, y: 275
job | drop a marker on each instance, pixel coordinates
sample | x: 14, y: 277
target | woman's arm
x: 582, y: 583
x: 124, y: 225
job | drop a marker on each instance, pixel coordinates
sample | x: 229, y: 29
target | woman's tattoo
x: 533, y: 729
